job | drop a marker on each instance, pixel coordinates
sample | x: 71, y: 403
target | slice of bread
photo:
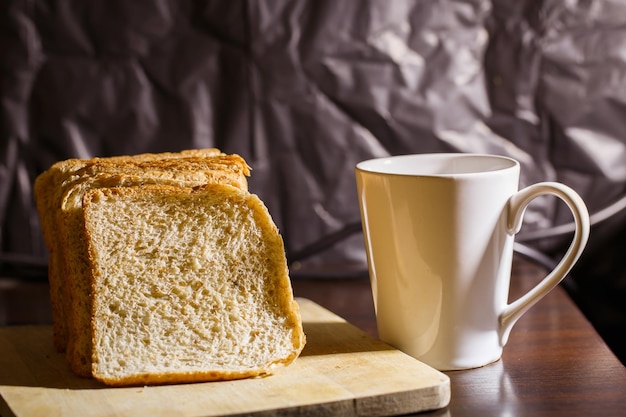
x: 48, y: 192
x: 186, y: 172
x: 189, y: 284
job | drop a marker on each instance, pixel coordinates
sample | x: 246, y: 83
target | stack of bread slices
x: 163, y: 268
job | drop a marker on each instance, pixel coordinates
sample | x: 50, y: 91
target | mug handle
x: 516, y: 208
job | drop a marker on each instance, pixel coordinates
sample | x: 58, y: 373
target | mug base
x: 464, y: 368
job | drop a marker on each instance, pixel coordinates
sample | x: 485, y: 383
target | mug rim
x: 376, y: 165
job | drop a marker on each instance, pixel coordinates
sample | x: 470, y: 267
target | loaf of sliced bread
x: 60, y: 193
x: 188, y: 284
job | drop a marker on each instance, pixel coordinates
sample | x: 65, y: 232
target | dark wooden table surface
x: 555, y: 363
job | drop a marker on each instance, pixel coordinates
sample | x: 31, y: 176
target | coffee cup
x: 439, y: 232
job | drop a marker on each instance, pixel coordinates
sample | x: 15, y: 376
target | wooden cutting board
x: 341, y: 372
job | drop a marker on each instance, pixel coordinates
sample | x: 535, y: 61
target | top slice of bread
x: 188, y: 285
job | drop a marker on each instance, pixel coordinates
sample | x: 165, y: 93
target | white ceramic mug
x: 439, y: 230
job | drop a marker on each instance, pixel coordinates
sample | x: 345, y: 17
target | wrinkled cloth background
x: 305, y: 89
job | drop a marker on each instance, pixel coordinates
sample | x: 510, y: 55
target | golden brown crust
x: 178, y: 378
x: 46, y: 193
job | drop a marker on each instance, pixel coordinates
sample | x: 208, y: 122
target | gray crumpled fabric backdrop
x: 305, y: 89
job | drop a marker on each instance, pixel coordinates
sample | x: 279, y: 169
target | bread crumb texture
x: 190, y: 283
